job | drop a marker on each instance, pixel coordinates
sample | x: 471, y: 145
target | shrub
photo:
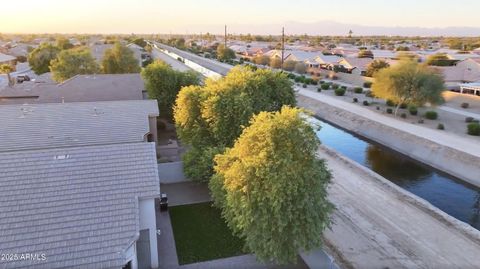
x: 367, y: 84
x: 403, y: 115
x: 322, y: 81
x: 413, y: 110
x: 476, y: 121
x: 468, y: 119
x: 369, y: 94
x: 358, y: 90
x: 319, y: 89
x: 366, y: 103
x: 304, y: 85
x: 473, y: 128
x: 440, y: 127
x: 355, y: 100
x: 465, y: 105
x: 390, y: 102
x: 431, y: 115
x: 297, y: 79
x: 335, y: 86
x: 339, y: 92
x: 389, y: 110
x: 325, y: 86
x: 403, y: 106
x: 314, y: 82
x: 344, y: 87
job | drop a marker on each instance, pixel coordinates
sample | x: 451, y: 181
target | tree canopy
x: 276, y: 63
x: 39, y: 59
x: 163, y: 83
x: 375, y: 66
x: 440, y: 59
x: 225, y: 53
x: 215, y: 114
x: 63, y: 43
x: 289, y: 65
x: 119, y: 60
x: 271, y: 187
x: 409, y: 82
x: 261, y: 59
x: 365, y: 54
x: 72, y: 62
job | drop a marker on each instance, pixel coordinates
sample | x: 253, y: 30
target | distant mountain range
x: 335, y: 28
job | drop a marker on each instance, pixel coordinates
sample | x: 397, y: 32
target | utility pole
x: 283, y: 45
x: 225, y: 36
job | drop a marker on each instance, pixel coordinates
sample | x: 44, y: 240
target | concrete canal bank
x: 446, y: 152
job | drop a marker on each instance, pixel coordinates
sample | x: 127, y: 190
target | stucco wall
x: 148, y: 221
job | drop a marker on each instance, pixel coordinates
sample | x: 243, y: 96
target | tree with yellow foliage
x: 272, y: 188
x: 409, y: 82
x: 214, y: 115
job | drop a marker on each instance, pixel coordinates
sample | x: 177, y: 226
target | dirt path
x: 378, y: 225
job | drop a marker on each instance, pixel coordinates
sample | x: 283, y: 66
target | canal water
x: 449, y: 194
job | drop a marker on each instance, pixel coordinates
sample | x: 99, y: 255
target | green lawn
x: 201, y: 234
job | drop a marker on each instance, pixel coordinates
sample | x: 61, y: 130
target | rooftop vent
x: 61, y: 157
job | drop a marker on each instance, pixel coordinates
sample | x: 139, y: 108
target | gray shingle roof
x: 80, y: 88
x: 80, y: 210
x: 74, y: 124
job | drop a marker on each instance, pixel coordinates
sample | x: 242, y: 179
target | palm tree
x: 7, y: 69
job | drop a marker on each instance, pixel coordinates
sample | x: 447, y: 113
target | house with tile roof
x: 79, y: 184
x: 8, y: 59
x: 80, y: 88
x: 355, y: 65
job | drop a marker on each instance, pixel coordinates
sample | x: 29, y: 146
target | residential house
x: 79, y: 184
x: 80, y: 88
x: 8, y: 59
x: 465, y: 71
x: 355, y: 65
x: 327, y: 61
x: 470, y: 88
x: 304, y: 57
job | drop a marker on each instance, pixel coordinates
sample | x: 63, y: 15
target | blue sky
x: 160, y: 16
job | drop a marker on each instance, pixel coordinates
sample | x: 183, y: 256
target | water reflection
x: 450, y: 195
x: 395, y: 167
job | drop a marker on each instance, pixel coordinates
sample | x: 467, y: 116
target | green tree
x: 148, y: 48
x: 409, y: 82
x: 440, y: 59
x: 72, y: 62
x: 163, y: 83
x: 225, y: 53
x: 214, y: 115
x: 272, y: 188
x: 119, y: 60
x: 39, y: 59
x: 63, y: 43
x: 375, y: 66
x: 140, y: 42
x: 261, y: 59
x: 7, y: 69
x: 365, y: 54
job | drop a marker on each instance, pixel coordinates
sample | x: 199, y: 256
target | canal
x: 449, y: 194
